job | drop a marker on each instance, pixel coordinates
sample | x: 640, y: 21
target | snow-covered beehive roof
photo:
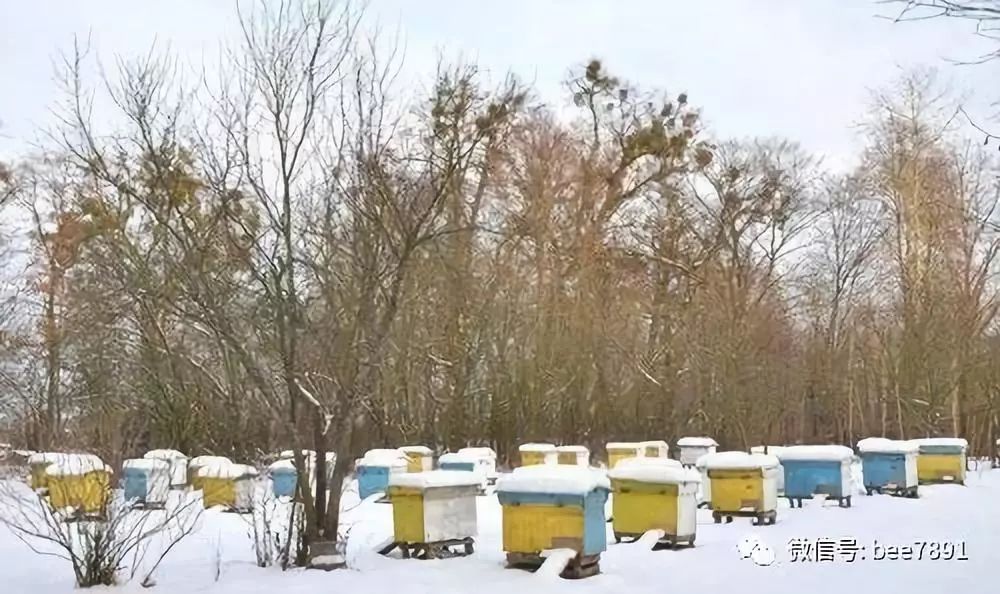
x: 282, y: 465
x: 656, y: 443
x: 384, y: 457
x: 289, y: 454
x: 537, y: 447
x: 826, y: 453
x: 435, y: 479
x: 881, y: 445
x: 76, y: 464
x: 479, y: 452
x: 771, y: 449
x: 697, y: 442
x: 737, y: 461
x: 955, y: 442
x: 654, y: 470
x: 45, y: 457
x: 459, y: 458
x: 147, y: 464
x: 203, y: 460
x: 557, y: 479
x: 417, y: 449
x: 226, y: 470
x: 573, y: 449
x: 624, y: 445
x: 164, y: 455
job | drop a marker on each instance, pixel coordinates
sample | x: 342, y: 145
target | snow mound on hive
x: 203, y: 460
x: 163, y: 455
x: 623, y: 445
x: 282, y: 465
x: 458, y: 458
x: 881, y: 445
x: 384, y: 457
x: 697, y: 442
x: 226, y: 470
x: 478, y: 452
x: 537, y: 447
x: 76, y: 464
x: 146, y: 464
x: 417, y: 449
x: 822, y: 453
x: 957, y: 442
x: 654, y: 470
x: 573, y: 449
x: 736, y: 461
x: 435, y: 478
x: 562, y: 479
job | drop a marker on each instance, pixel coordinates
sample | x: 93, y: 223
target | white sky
x: 802, y: 69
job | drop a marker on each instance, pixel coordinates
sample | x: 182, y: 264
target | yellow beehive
x: 743, y: 485
x: 538, y: 453
x: 228, y: 485
x: 421, y: 458
x: 79, y: 483
x: 553, y: 507
x: 618, y: 451
x: 654, y: 494
x: 655, y: 449
x: 438, y: 506
x: 195, y: 464
x: 941, y: 460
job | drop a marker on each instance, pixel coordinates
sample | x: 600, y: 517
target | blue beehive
x: 457, y: 462
x: 146, y: 482
x: 817, y: 470
x: 283, y: 478
x: 374, y: 469
x: 889, y: 466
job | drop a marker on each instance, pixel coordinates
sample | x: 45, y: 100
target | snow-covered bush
x: 276, y: 526
x: 117, y: 545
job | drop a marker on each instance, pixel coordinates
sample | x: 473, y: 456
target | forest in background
x: 301, y: 253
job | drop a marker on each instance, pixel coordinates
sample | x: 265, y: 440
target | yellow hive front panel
x: 87, y: 493
x: 407, y: 514
x: 935, y: 467
x: 638, y: 507
x: 532, y: 458
x: 615, y: 456
x: 414, y: 462
x: 567, y: 457
x: 535, y: 528
x: 735, y: 490
x: 217, y: 491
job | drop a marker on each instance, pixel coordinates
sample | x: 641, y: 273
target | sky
x: 801, y: 69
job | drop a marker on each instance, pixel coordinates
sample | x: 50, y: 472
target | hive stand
x: 431, y: 550
x: 142, y: 505
x: 581, y: 566
x: 841, y: 501
x: 908, y: 492
x: 941, y: 482
x: 669, y: 541
x: 767, y: 518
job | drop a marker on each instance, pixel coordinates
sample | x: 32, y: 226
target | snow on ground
x: 218, y: 558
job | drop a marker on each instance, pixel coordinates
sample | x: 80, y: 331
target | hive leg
x: 469, y: 547
x: 717, y: 517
